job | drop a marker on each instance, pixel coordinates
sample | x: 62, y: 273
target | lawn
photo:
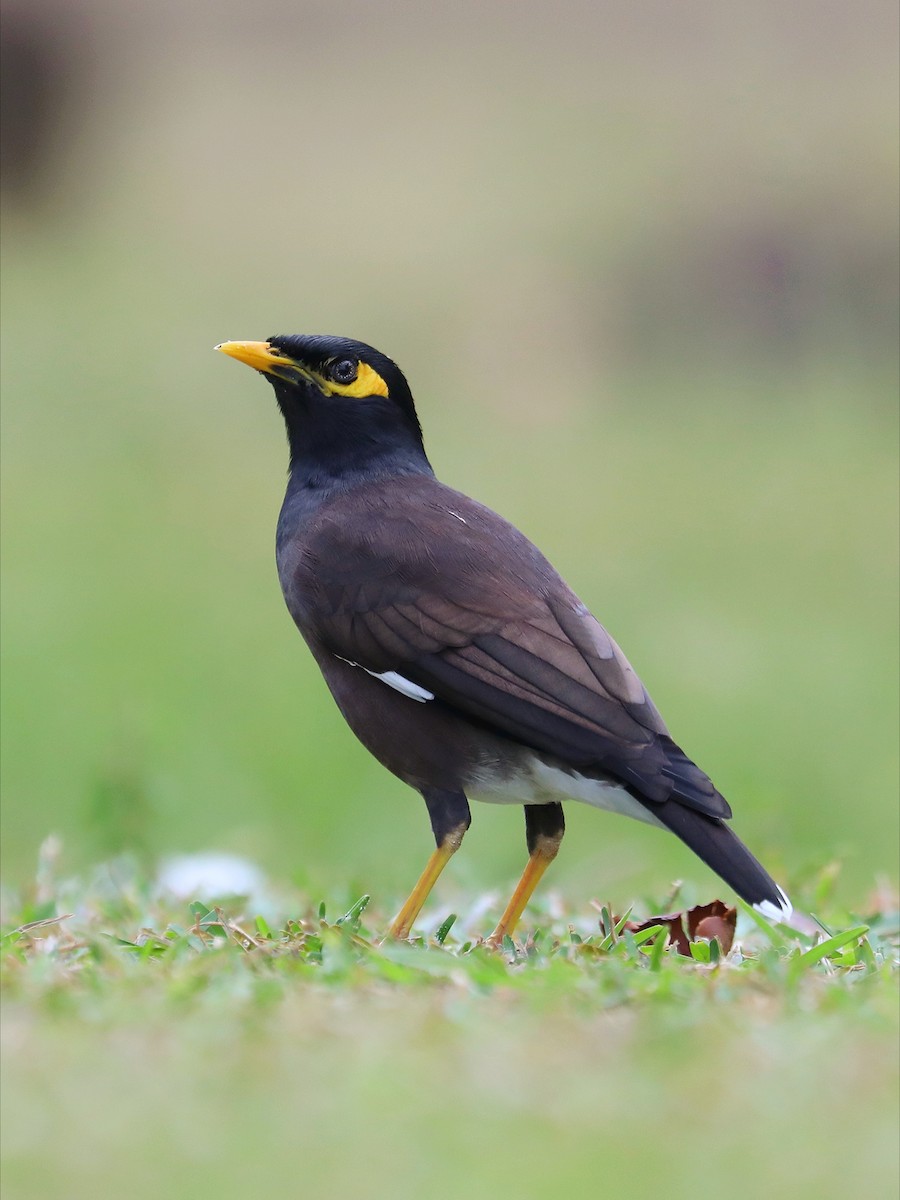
x: 156, y: 1046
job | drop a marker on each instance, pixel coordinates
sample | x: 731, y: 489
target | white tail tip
x: 781, y: 914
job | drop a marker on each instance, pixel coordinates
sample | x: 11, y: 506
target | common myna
x: 456, y: 653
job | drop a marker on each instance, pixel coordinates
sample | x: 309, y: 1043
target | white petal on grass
x: 196, y: 876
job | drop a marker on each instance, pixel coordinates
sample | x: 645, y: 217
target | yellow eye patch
x: 367, y: 383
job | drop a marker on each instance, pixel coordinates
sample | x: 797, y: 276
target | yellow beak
x: 260, y: 356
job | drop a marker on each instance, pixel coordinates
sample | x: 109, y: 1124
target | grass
x: 159, y: 1046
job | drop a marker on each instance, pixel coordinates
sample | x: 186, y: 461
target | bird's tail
x: 723, y: 851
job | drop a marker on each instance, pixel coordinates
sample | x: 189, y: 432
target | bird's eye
x: 344, y: 370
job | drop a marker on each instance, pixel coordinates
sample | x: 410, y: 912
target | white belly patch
x: 539, y: 783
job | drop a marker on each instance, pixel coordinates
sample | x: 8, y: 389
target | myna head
x: 333, y: 389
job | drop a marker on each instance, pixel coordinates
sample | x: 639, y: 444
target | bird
x: 456, y: 653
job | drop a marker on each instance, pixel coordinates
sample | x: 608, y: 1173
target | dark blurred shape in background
x: 45, y: 68
x: 769, y: 286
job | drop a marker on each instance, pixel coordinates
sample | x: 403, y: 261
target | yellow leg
x: 542, y: 856
x: 402, y: 923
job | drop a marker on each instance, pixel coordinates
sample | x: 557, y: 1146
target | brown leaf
x: 703, y: 922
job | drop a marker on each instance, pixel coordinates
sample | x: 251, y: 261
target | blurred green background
x: 640, y: 266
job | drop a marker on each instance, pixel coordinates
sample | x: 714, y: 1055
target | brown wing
x: 424, y: 582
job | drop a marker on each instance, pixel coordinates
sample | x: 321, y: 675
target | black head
x: 345, y: 404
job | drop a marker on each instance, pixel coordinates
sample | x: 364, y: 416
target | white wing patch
x: 398, y: 682
x: 405, y: 686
